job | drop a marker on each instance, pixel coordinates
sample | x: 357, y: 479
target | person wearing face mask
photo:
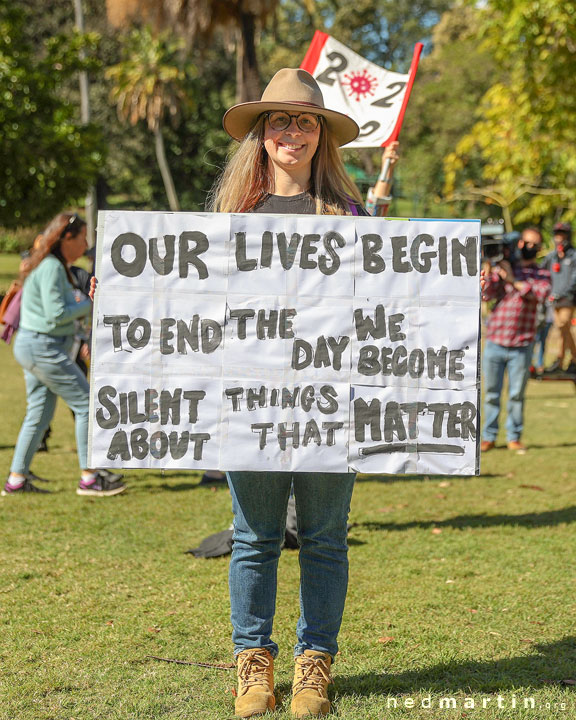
x: 561, y: 263
x: 516, y: 289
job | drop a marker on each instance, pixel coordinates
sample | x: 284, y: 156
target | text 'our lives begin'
x: 131, y: 254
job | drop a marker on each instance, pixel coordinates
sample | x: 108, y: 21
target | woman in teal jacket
x: 50, y: 305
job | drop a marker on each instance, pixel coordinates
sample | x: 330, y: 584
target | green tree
x: 198, y: 20
x: 49, y: 157
x: 385, y: 31
x: 150, y: 83
x: 199, y: 143
x: 129, y: 176
x: 525, y: 136
x: 450, y: 83
x: 382, y: 31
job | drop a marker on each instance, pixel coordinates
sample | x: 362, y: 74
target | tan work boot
x: 310, y: 686
x: 255, y: 682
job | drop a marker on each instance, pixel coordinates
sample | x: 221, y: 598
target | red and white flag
x: 374, y: 97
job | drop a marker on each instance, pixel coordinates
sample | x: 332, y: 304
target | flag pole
x: 396, y: 132
x: 411, y: 76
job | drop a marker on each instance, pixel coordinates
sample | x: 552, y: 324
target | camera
x: 498, y: 245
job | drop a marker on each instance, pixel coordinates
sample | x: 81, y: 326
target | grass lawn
x: 9, y: 263
x: 460, y: 588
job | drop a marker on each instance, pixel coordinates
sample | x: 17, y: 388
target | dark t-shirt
x: 302, y: 204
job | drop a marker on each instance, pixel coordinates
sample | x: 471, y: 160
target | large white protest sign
x: 264, y: 342
x: 373, y: 96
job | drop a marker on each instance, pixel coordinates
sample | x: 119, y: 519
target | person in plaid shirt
x: 510, y: 332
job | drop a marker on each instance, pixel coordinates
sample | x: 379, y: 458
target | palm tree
x: 199, y: 19
x: 150, y: 83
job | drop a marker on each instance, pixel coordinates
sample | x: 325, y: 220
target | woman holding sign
x: 288, y: 162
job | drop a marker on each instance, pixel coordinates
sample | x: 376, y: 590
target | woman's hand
x: 93, y: 283
x: 390, y: 154
x: 84, y: 352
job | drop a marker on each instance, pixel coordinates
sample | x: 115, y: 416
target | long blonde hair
x: 246, y: 180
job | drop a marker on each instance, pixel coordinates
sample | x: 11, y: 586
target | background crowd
x: 525, y: 298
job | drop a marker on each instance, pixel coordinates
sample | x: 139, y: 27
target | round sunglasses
x: 280, y: 120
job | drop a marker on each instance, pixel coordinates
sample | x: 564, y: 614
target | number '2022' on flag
x: 376, y: 98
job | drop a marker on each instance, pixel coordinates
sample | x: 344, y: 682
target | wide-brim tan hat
x: 291, y: 90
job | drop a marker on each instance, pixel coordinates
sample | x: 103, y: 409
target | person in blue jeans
x: 287, y: 162
x: 516, y: 289
x: 44, y: 340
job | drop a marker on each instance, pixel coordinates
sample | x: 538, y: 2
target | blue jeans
x: 48, y: 372
x: 516, y: 361
x: 259, y: 501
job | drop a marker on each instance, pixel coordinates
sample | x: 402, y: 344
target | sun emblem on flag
x: 360, y: 84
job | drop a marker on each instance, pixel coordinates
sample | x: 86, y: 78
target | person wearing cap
x: 561, y: 263
x: 287, y: 162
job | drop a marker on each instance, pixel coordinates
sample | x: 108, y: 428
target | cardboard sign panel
x: 265, y: 342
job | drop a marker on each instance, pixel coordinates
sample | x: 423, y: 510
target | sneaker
x: 101, y: 487
x: 486, y: 445
x: 26, y: 487
x: 554, y: 369
x: 310, y: 686
x: 255, y: 694
x: 517, y: 446
x: 571, y: 369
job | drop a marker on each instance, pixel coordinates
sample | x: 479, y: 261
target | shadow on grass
x: 355, y: 541
x: 182, y: 487
x: 172, y: 474
x: 534, y: 446
x: 543, y: 519
x: 548, y: 664
x: 410, y: 478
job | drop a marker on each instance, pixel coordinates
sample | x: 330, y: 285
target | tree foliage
x: 152, y: 79
x: 450, y: 82
x: 525, y: 135
x: 198, y: 20
x: 493, y: 93
x: 383, y: 31
x: 49, y: 159
x: 150, y: 83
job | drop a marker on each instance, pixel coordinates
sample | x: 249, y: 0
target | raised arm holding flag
x: 376, y: 98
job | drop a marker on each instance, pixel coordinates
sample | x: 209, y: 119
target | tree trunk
x: 91, y: 204
x: 247, y: 75
x: 165, y: 170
